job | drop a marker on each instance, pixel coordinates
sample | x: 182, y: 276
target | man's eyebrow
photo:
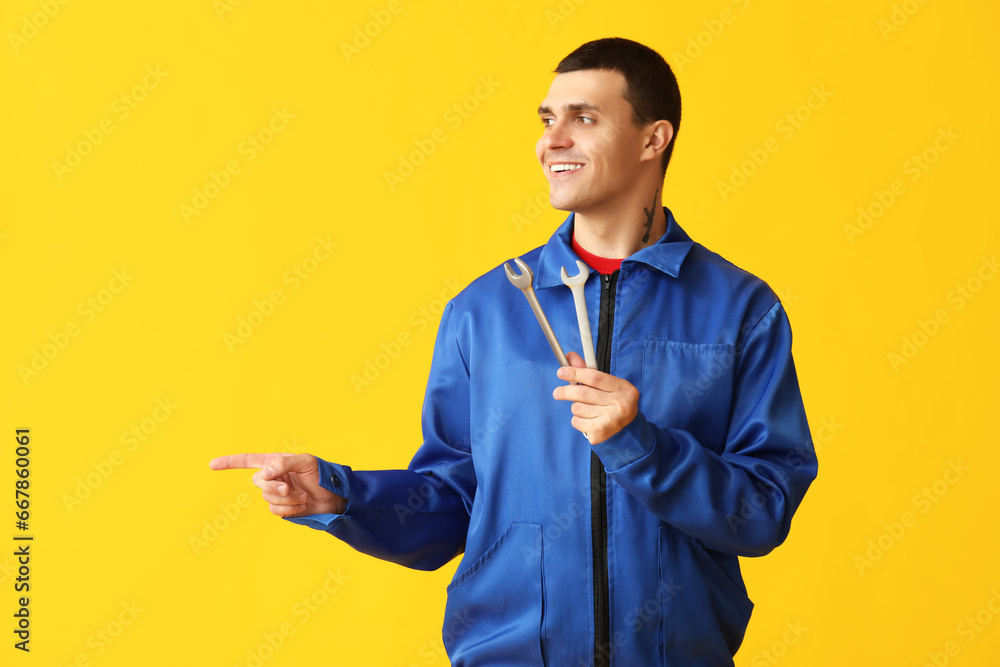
x: 572, y: 106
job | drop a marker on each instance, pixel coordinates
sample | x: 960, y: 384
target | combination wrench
x: 576, y: 284
x: 523, y: 283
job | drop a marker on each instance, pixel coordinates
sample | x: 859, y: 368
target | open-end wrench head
x: 580, y: 278
x: 522, y: 281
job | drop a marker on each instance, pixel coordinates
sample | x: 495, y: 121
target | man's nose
x: 557, y: 136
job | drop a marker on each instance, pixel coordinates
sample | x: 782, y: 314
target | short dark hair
x: 650, y: 85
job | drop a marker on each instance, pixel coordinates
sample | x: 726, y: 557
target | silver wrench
x: 523, y: 283
x: 576, y: 284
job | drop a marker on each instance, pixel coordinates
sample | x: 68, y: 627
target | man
x: 601, y: 511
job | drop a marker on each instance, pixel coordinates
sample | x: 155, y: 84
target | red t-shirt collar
x: 599, y: 264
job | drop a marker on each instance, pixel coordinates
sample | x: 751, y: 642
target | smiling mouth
x: 563, y: 167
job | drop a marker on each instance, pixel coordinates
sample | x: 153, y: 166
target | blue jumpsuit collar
x: 666, y: 255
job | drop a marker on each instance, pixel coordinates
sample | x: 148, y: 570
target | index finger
x: 588, y: 376
x: 238, y: 462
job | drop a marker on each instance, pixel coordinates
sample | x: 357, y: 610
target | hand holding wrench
x: 523, y: 283
x: 576, y: 284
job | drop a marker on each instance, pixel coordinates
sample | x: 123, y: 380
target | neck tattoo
x: 650, y: 214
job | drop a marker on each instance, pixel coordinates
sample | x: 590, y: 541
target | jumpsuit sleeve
x: 740, y: 500
x: 416, y: 517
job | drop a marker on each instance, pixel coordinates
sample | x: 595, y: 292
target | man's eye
x: 547, y: 121
x: 586, y: 120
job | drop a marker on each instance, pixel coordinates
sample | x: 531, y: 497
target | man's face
x: 589, y: 148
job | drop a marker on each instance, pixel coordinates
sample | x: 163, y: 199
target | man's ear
x: 658, y: 136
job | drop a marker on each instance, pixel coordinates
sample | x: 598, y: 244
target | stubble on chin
x: 563, y: 200
x: 558, y: 203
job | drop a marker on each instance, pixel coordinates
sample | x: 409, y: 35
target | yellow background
x: 897, y: 76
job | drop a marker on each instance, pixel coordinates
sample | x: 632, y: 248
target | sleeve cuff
x: 627, y: 446
x: 334, y: 478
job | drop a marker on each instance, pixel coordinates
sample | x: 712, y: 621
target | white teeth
x: 565, y: 167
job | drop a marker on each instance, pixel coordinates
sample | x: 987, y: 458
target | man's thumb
x: 275, y: 467
x: 282, y: 464
x: 575, y: 360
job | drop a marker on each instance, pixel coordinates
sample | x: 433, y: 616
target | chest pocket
x: 689, y: 386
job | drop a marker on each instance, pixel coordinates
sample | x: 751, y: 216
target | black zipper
x: 598, y: 490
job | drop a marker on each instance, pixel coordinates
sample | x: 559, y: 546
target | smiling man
x: 601, y: 511
x: 602, y: 157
